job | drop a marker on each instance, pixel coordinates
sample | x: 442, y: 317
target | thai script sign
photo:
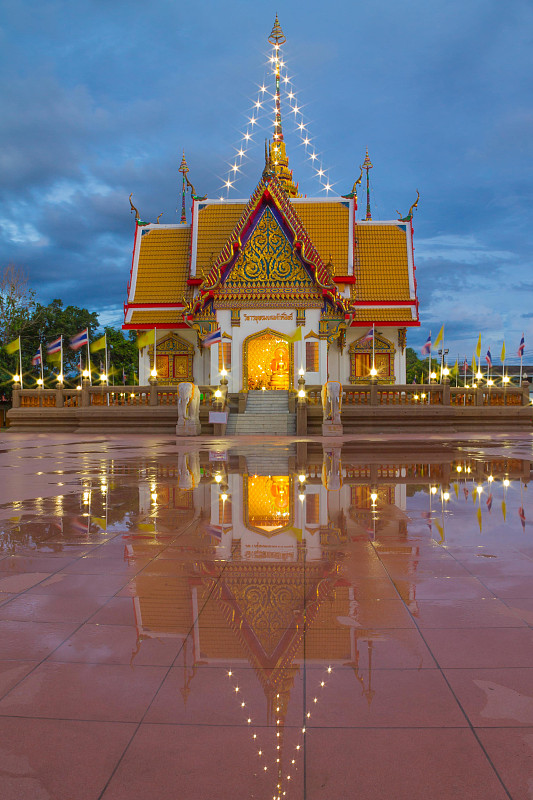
x: 265, y: 317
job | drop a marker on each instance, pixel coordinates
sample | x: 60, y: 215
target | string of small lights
x: 260, y: 111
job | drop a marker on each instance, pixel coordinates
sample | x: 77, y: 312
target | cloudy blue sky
x: 99, y: 98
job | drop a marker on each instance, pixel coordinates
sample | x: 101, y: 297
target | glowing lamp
x: 301, y: 371
x: 373, y: 497
x: 478, y: 375
x: 506, y: 482
x: 16, y: 378
x: 433, y: 375
x: 373, y: 372
x: 78, y: 388
x: 218, y: 478
x: 223, y: 372
x: 446, y: 372
x: 263, y: 388
x: 39, y: 381
x: 154, y: 496
x: 218, y: 393
x: 224, y: 497
x: 479, y: 489
x: 85, y: 373
x: 506, y: 379
x: 490, y: 478
x: 60, y: 378
x: 459, y: 468
x: 153, y: 373
x: 445, y: 496
x: 490, y: 382
x: 423, y: 395
x: 433, y: 490
x: 301, y: 393
x: 301, y: 496
x: 103, y: 376
x: 301, y: 478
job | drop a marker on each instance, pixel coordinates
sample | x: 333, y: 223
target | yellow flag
x: 479, y: 518
x: 455, y: 368
x: 12, y: 347
x: 296, y: 336
x: 145, y: 339
x: 503, y: 353
x: 438, y: 340
x: 504, y: 509
x: 146, y: 526
x: 456, y: 489
x: 100, y: 521
x: 440, y: 529
x: 99, y: 344
x: 478, y: 347
x: 473, y: 365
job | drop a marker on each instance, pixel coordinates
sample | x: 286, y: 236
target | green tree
x: 123, y: 355
x: 415, y: 367
x: 17, y: 308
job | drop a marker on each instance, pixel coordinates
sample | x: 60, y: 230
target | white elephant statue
x: 188, y: 470
x: 332, y: 402
x: 188, y: 409
x: 332, y: 469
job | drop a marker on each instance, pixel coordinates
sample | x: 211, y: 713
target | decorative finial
x: 277, y: 37
x: 138, y: 219
x: 353, y: 194
x: 183, y: 168
x: 367, y: 164
x: 409, y: 216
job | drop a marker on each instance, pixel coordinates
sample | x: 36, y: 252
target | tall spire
x: 183, y: 168
x: 278, y: 154
x: 367, y: 164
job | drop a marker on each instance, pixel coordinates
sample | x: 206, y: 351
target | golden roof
x: 379, y: 314
x: 215, y: 225
x: 140, y: 316
x: 328, y: 227
x: 381, y: 267
x: 163, y: 266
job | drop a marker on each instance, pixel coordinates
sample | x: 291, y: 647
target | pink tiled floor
x: 409, y: 676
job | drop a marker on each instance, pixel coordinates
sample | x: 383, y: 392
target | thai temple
x: 285, y: 285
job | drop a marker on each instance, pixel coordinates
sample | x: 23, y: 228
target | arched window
x: 361, y: 360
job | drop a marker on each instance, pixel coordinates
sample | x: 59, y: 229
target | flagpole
x: 61, y: 364
x: 155, y: 352
x: 42, y: 368
x: 373, y: 346
x: 20, y: 362
x: 429, y: 358
x: 89, y: 360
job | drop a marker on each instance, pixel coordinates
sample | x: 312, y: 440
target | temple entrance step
x: 263, y: 424
x: 268, y: 402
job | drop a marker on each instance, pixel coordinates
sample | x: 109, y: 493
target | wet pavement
x: 298, y: 619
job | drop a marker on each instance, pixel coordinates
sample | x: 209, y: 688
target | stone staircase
x: 267, y: 414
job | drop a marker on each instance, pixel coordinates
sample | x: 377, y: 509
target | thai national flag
x: 80, y: 339
x: 54, y: 347
x: 522, y: 347
x: 488, y: 358
x: 522, y: 515
x: 216, y: 531
x: 368, y: 336
x: 212, y: 338
x: 465, y: 366
x: 489, y: 502
x: 426, y: 349
x: 38, y: 357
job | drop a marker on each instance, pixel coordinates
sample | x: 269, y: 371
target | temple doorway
x: 267, y: 361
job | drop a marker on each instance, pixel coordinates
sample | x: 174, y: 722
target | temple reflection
x: 285, y: 563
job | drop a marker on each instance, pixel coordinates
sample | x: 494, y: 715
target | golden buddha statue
x: 279, y: 367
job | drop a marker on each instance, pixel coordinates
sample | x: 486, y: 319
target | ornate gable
x: 268, y: 261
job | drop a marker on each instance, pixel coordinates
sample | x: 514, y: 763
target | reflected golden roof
x: 215, y: 225
x: 328, y: 227
x: 373, y: 314
x: 163, y: 266
x: 381, y: 265
x: 171, y: 316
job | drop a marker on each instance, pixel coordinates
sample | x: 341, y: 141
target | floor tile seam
x: 459, y: 704
x: 505, y: 601
x: 477, y: 577
x: 167, y: 673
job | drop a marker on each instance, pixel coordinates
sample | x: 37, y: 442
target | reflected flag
x: 215, y: 531
x: 440, y: 529
x: 489, y: 503
x: 80, y: 526
x: 426, y: 349
x: 522, y: 346
x: 80, y: 339
x: 296, y: 336
x: 426, y: 516
x: 522, y: 515
x: 38, y: 357
x: 504, y: 510
x: 215, y: 337
x: 100, y: 522
x: 488, y: 358
x: 478, y: 515
x: 465, y: 492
